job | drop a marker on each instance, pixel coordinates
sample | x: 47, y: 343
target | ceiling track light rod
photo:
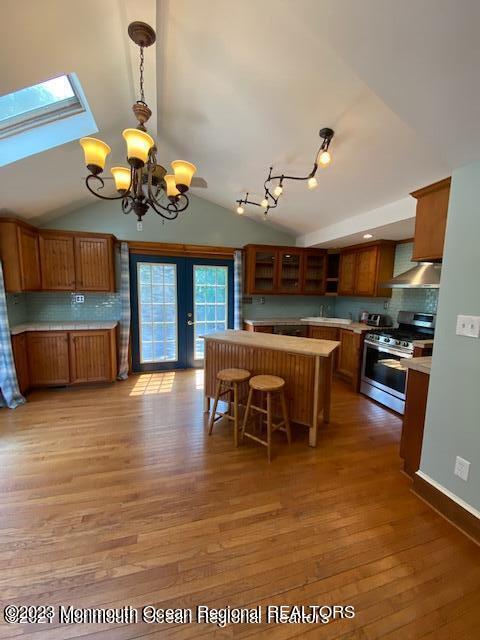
x: 270, y: 200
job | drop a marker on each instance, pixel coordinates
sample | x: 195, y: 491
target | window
x: 157, y: 312
x: 43, y: 116
x: 210, y: 294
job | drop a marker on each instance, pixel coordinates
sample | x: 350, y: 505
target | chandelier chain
x: 142, y: 65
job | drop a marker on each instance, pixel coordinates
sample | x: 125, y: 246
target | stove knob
x: 405, y: 344
x: 398, y: 343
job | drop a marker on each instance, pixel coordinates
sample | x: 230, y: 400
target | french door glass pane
x: 210, y: 296
x: 157, y: 311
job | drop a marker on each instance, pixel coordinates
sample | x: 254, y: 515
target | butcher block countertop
x: 423, y: 364
x: 356, y: 327
x: 290, y: 344
x: 61, y: 326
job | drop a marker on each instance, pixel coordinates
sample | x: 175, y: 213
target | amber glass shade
x: 96, y: 152
x: 139, y: 144
x: 183, y: 171
x: 121, y: 176
x: 172, y: 190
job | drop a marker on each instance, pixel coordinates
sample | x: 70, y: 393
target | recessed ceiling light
x: 367, y: 236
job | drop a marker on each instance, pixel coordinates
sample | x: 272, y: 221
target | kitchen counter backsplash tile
x: 61, y: 307
x: 287, y: 307
x: 16, y: 308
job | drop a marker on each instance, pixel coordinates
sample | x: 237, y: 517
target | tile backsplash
x: 61, y: 307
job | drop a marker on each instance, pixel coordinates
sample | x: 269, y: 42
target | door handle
x: 190, y: 322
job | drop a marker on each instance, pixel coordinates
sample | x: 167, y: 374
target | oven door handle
x: 394, y: 352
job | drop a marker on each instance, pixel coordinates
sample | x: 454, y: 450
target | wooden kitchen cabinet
x: 48, y: 359
x: 325, y: 333
x: 364, y: 267
x: 57, y: 261
x: 349, y: 356
x: 49, y: 260
x: 290, y: 271
x: 94, y: 267
x: 414, y: 420
x: 257, y: 328
x: 314, y: 272
x: 20, y: 357
x: 346, y: 274
x: 431, y: 221
x: 19, y: 252
x: 92, y: 356
x: 284, y: 270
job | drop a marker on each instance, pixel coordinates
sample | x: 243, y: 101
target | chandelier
x: 272, y: 195
x: 144, y: 183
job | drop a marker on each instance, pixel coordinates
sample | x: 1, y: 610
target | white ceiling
x: 241, y: 85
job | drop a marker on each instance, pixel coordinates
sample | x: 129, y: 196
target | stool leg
x: 214, y: 410
x: 235, y: 413
x: 285, y: 417
x: 269, y: 425
x: 247, y: 412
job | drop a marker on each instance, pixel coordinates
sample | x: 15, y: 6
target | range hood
x: 426, y: 275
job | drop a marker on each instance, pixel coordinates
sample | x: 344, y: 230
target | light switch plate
x: 468, y: 326
x: 462, y: 468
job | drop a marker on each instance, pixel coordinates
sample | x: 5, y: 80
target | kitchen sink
x: 322, y: 319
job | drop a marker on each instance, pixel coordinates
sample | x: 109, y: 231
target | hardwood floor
x: 116, y: 496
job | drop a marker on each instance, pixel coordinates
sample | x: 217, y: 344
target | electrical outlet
x: 468, y: 326
x: 79, y: 298
x: 386, y: 305
x: 462, y: 467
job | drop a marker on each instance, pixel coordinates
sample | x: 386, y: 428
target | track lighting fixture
x: 270, y: 199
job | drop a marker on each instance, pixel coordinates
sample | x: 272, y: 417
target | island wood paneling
x: 307, y: 378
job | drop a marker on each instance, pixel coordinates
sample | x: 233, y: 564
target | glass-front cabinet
x: 290, y: 271
x: 284, y: 270
x: 264, y: 270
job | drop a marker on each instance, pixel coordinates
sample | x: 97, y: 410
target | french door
x: 174, y: 302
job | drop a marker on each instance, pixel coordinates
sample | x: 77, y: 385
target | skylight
x: 43, y: 116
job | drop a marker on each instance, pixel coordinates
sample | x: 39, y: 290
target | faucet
x: 322, y: 311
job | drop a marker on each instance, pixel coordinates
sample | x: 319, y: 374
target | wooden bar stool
x: 269, y: 385
x: 228, y: 381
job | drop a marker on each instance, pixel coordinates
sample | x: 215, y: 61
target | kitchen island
x: 305, y: 364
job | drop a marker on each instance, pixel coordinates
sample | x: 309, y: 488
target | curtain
x: 237, y: 290
x: 10, y: 395
x: 124, y: 337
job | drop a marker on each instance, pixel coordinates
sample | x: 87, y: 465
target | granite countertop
x: 356, y: 327
x: 423, y: 364
x: 60, y: 326
x: 291, y: 344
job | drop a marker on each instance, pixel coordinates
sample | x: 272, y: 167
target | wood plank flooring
x: 115, y: 495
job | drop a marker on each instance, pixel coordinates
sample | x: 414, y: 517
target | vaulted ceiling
x: 243, y: 85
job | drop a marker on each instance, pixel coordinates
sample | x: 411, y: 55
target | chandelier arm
x: 127, y: 204
x: 172, y: 213
x: 91, y: 177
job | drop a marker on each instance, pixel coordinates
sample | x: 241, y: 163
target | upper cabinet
x: 94, y: 266
x: 284, y: 270
x: 19, y: 253
x: 47, y: 260
x: 431, y: 221
x: 364, y: 267
x: 57, y: 261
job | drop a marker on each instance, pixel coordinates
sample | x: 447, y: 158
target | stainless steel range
x: 384, y: 377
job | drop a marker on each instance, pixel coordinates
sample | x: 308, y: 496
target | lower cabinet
x: 325, y: 333
x: 92, y: 356
x: 48, y: 360
x: 257, y: 328
x: 414, y: 420
x: 350, y: 356
x: 59, y: 358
